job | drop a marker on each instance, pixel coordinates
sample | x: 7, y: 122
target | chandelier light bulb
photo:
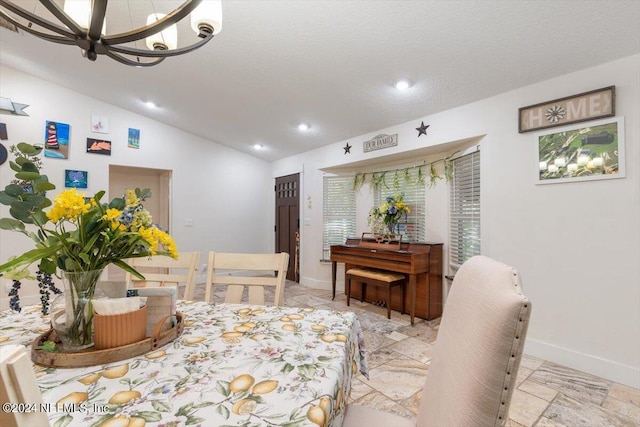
x: 164, y: 40
x: 207, y: 17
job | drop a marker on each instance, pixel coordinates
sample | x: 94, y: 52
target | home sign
x: 559, y: 112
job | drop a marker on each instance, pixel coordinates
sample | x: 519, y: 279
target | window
x: 414, y: 196
x: 338, y: 212
x: 464, y: 228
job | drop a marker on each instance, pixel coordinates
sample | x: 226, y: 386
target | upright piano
x: 420, y: 262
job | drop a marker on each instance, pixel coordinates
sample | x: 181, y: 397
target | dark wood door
x: 288, y: 220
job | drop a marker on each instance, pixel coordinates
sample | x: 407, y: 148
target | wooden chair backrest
x: 162, y: 271
x: 252, y: 270
x: 18, y: 384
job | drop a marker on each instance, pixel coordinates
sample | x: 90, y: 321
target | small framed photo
x: 99, y: 124
x: 134, y: 138
x: 585, y: 152
x: 76, y: 179
x: 98, y: 146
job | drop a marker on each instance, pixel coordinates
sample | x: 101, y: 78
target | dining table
x: 233, y: 365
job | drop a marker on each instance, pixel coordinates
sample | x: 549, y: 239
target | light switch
x: 307, y: 222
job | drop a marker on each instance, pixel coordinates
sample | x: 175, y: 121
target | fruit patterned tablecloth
x: 234, y: 365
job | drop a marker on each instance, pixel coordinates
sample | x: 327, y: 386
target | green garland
x: 377, y: 179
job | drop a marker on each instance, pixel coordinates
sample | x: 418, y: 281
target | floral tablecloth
x: 234, y: 365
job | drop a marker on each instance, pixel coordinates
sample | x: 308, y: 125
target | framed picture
x: 592, y: 105
x: 99, y: 124
x: 585, y: 152
x: 98, y: 146
x: 76, y: 179
x: 56, y: 140
x: 134, y: 138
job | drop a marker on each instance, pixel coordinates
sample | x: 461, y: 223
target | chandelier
x: 83, y: 24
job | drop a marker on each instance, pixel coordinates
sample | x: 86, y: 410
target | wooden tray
x: 92, y: 357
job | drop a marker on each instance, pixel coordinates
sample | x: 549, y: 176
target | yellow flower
x: 155, y: 237
x: 112, y: 214
x: 131, y: 199
x: 68, y: 205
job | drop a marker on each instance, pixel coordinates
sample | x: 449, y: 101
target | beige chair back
x: 476, y: 355
x: 159, y: 271
x: 252, y: 270
x: 478, y: 350
x: 18, y: 384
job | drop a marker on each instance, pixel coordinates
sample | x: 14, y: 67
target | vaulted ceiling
x: 332, y: 64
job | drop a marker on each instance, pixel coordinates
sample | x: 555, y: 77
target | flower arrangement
x: 388, y: 214
x: 77, y: 234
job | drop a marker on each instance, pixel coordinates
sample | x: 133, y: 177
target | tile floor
x: 547, y: 394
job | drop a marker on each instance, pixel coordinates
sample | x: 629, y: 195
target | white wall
x: 577, y: 245
x: 228, y: 194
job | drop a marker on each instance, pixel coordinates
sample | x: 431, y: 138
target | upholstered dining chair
x: 255, y: 271
x: 18, y: 385
x: 476, y: 356
x: 163, y: 270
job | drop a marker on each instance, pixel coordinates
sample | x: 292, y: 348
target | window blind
x: 414, y: 195
x: 338, y: 212
x: 464, y: 227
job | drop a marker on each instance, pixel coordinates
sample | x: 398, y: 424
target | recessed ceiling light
x: 258, y: 146
x: 403, y: 84
x: 150, y: 104
x: 304, y: 127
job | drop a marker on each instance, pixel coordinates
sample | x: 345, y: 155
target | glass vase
x: 72, y: 311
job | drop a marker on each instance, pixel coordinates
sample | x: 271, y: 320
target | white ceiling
x: 332, y: 64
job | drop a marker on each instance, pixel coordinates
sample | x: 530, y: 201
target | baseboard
x: 610, y: 370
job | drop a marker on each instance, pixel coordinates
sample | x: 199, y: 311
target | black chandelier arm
x: 160, y: 53
x: 33, y: 18
x: 64, y: 18
x: 48, y: 37
x: 127, y: 61
x: 98, y: 12
x: 185, y: 9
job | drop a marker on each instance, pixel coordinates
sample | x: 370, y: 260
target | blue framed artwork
x: 76, y: 179
x: 56, y: 140
x: 134, y: 138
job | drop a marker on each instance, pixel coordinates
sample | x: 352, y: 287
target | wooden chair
x: 255, y: 271
x: 163, y: 270
x: 476, y: 355
x: 18, y: 385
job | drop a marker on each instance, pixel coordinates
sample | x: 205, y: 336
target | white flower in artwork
x: 555, y: 113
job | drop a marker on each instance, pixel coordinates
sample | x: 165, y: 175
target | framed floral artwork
x: 585, y: 152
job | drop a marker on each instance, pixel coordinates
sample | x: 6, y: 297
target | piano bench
x: 382, y: 278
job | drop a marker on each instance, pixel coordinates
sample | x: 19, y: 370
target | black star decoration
x: 422, y: 130
x: 347, y: 148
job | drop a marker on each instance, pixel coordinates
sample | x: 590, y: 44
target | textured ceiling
x: 332, y: 64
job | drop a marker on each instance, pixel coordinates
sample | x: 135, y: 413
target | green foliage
x: 75, y: 234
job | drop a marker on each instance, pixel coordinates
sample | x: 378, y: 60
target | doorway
x: 288, y: 221
x: 122, y: 178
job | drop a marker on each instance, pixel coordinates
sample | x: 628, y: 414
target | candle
x: 543, y: 166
